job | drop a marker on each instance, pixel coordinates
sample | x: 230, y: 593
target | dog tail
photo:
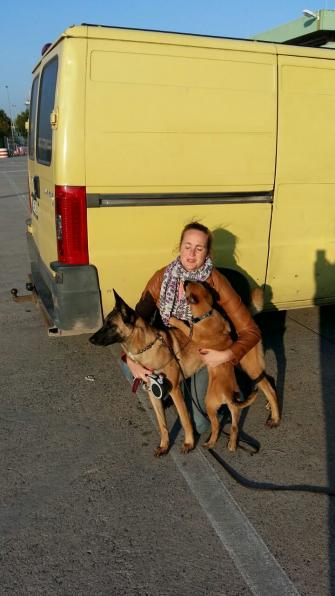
x: 257, y: 300
x: 248, y: 401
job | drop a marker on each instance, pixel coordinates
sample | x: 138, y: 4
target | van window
x: 32, y: 118
x: 45, y: 107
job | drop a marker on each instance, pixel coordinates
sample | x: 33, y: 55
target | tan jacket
x: 248, y: 334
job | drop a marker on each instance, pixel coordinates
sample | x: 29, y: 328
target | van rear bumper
x: 70, y: 295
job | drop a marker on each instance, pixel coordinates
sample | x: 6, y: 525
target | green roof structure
x: 313, y: 28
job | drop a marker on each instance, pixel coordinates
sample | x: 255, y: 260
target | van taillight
x: 71, y: 224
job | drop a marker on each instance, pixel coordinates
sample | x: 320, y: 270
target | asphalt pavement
x: 85, y: 507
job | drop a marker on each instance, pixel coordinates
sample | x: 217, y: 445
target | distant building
x: 314, y: 28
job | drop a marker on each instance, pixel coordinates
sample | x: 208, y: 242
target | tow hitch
x: 24, y: 297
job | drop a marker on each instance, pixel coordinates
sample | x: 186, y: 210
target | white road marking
x: 253, y: 559
x: 11, y: 171
x: 23, y: 197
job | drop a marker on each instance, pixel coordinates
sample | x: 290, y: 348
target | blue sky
x: 27, y: 26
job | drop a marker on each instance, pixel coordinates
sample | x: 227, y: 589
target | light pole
x: 10, y: 115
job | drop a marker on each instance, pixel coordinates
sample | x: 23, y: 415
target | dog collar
x: 204, y: 316
x: 147, y: 347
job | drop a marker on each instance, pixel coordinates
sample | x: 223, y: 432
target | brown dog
x: 169, y: 352
x: 211, y: 330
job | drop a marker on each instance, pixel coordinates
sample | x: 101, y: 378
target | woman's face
x: 193, y: 250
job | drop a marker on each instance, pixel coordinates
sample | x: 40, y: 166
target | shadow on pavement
x: 325, y: 284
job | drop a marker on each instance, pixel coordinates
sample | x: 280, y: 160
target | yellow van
x: 132, y: 134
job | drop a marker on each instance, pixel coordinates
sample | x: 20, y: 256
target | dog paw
x: 159, y: 451
x: 186, y: 447
x: 272, y: 423
x: 173, y: 322
x: 232, y: 446
x: 209, y: 444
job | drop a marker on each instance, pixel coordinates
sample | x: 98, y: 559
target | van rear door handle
x: 36, y: 183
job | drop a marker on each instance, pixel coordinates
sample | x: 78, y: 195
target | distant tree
x: 20, y: 122
x: 4, y: 124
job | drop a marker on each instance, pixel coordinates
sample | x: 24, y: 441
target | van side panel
x: 303, y: 230
x: 167, y: 118
x: 162, y: 129
x: 163, y: 120
x: 128, y: 244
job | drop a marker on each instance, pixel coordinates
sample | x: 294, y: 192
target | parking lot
x: 86, y: 508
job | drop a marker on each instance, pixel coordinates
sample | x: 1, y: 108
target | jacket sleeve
x: 248, y: 333
x: 149, y: 301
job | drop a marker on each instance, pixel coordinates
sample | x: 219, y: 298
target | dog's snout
x: 94, y: 339
x: 107, y: 335
x: 99, y: 337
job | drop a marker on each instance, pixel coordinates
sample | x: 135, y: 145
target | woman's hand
x: 138, y: 371
x: 213, y: 358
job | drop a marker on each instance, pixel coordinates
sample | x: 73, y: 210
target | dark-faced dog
x: 169, y: 352
x: 211, y: 330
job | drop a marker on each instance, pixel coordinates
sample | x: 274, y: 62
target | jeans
x: 194, y: 390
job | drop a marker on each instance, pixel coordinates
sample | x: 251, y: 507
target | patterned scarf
x: 170, y: 304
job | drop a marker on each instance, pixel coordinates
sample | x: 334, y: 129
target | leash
x: 305, y: 488
x: 171, y: 350
x: 252, y: 484
x: 137, y: 381
x: 160, y: 338
x: 251, y: 449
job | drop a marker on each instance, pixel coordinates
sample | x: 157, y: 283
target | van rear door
x: 302, y: 238
x: 33, y: 182
x: 44, y: 163
x: 41, y: 229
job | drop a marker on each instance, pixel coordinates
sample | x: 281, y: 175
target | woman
x: 165, y: 291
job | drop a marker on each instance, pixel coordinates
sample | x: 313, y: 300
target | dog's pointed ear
x: 128, y: 314
x: 212, y: 291
x: 118, y: 299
